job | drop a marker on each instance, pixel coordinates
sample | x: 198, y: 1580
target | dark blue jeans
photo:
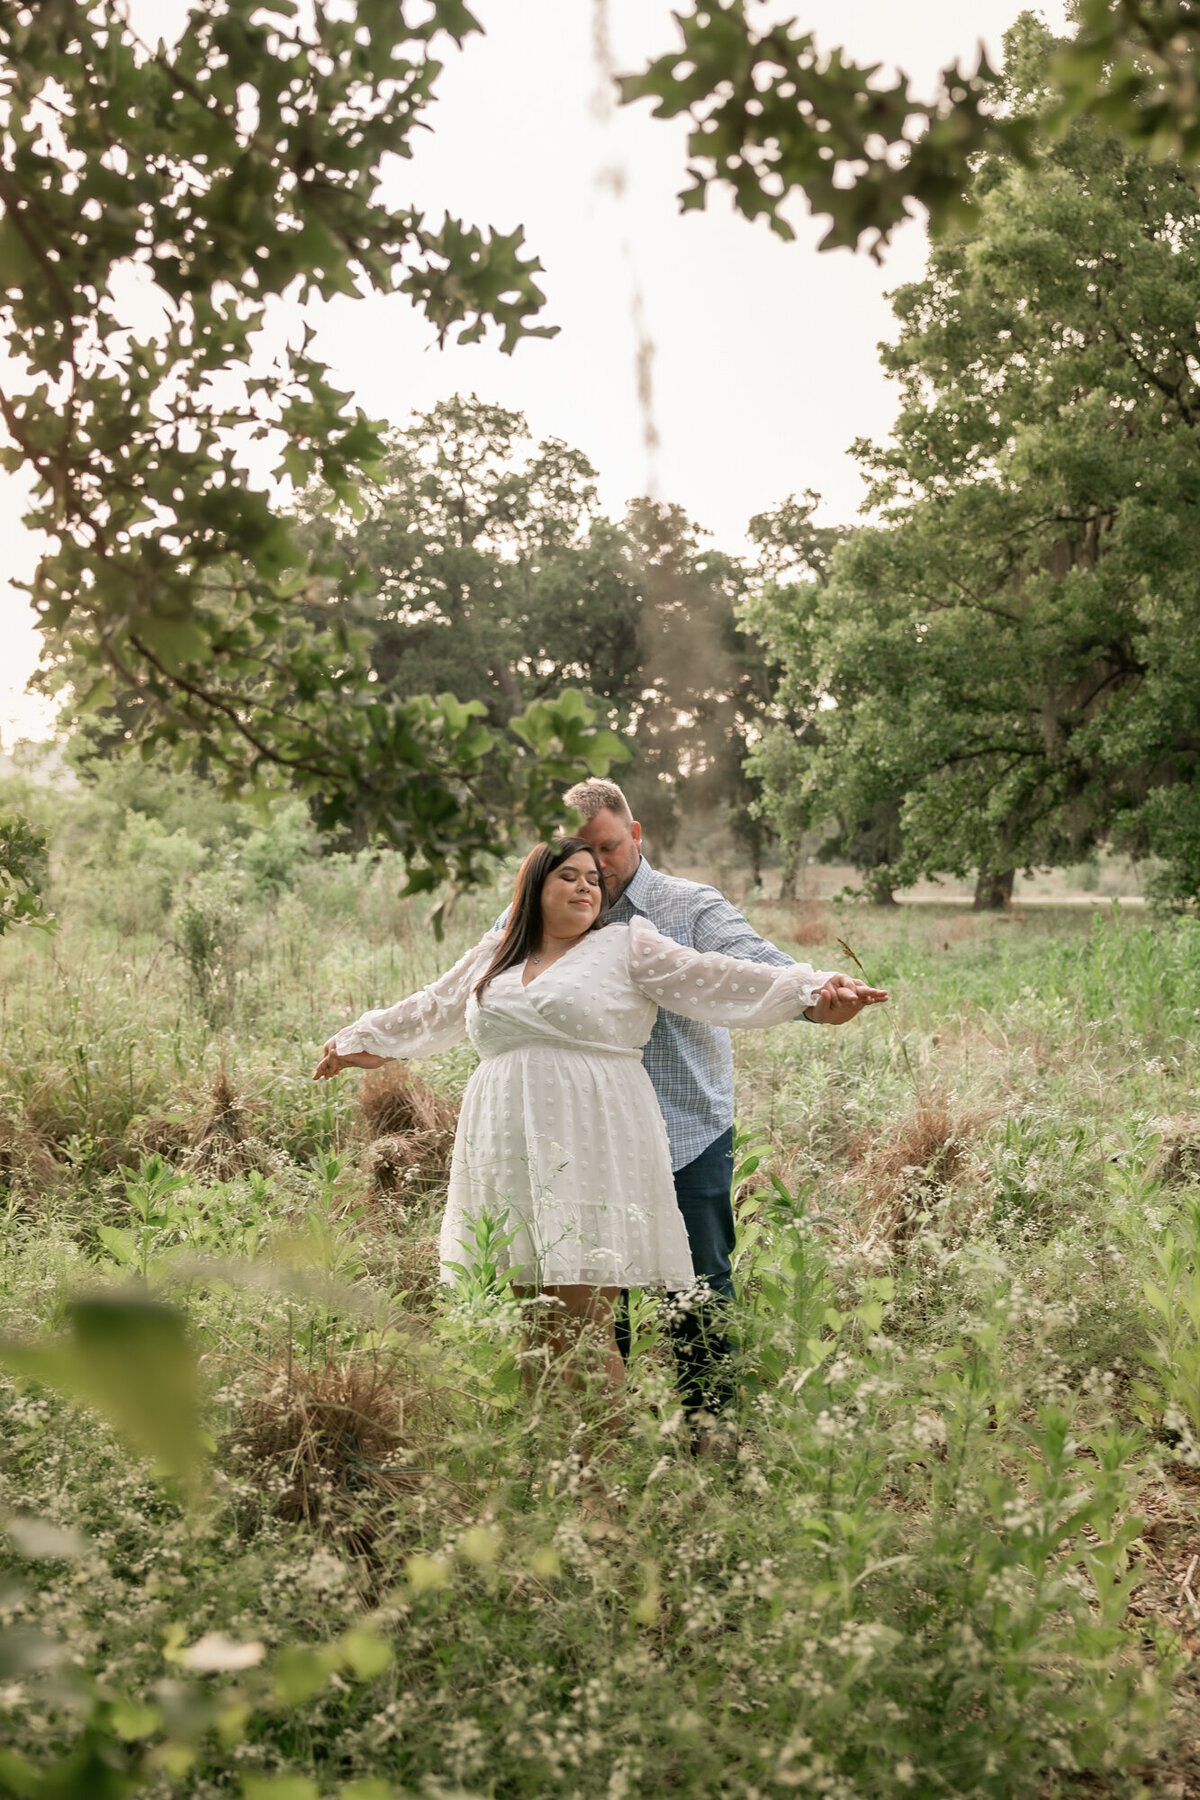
x: 697, y: 1323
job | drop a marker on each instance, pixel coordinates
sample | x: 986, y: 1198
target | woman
x: 560, y: 1132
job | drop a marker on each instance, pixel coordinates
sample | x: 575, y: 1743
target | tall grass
x: 944, y: 1554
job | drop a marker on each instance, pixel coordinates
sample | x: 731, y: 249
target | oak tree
x: 1012, y: 657
x: 159, y: 205
x: 772, y: 115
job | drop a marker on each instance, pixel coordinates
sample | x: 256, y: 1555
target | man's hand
x: 842, y: 999
x: 332, y: 1064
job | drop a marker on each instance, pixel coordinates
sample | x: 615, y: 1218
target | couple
x: 600, y: 1117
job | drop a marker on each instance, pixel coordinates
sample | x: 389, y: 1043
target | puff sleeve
x: 426, y: 1022
x: 718, y: 989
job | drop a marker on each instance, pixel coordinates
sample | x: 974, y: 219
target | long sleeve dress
x: 560, y: 1138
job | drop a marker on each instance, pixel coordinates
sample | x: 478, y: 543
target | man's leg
x: 621, y: 1330
x: 698, y: 1324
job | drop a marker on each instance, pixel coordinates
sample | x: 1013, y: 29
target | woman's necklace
x: 535, y: 960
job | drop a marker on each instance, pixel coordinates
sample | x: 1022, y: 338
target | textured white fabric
x: 690, y: 1061
x: 559, y: 1127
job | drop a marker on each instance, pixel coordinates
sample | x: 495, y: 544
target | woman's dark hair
x: 523, y: 933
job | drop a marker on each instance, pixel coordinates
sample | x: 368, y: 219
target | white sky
x: 764, y: 368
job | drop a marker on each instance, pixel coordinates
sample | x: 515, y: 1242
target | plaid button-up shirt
x: 691, y: 1065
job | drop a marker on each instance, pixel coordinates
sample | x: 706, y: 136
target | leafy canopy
x: 159, y: 205
x: 772, y: 116
x: 491, y: 566
x: 1008, y: 665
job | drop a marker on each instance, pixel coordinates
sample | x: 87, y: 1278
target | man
x: 691, y: 1067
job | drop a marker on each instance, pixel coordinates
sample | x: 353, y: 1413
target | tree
x: 487, y: 566
x: 22, y: 873
x: 782, y: 610
x: 1014, y: 655
x: 157, y: 204
x: 771, y: 116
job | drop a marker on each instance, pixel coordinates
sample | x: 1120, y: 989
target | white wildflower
x: 217, y: 1654
x: 325, y: 1572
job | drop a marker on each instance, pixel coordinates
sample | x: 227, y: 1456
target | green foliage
x: 1002, y: 673
x: 129, y: 1356
x: 1168, y: 822
x: 123, y: 1745
x: 491, y: 570
x: 149, y: 1191
x: 1171, y: 1398
x: 271, y: 856
x: 211, y: 180
x: 140, y: 835
x: 206, y: 926
x: 22, y: 871
x: 913, y: 1572
x: 1130, y: 66
x: 771, y: 116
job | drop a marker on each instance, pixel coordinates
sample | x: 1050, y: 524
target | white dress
x: 560, y: 1136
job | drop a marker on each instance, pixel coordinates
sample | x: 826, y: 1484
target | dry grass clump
x: 416, y: 1264
x: 327, y: 1446
x: 211, y: 1133
x: 80, y: 1113
x: 811, y: 922
x: 27, y: 1164
x: 897, y: 1173
x: 1178, y: 1159
x: 410, y: 1131
x: 168, y: 1135
x: 225, y: 1142
x: 409, y: 1166
x: 393, y: 1102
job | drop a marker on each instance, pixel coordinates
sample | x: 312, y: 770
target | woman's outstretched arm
x: 428, y: 1021
x: 725, y: 990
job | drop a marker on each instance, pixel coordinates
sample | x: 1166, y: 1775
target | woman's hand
x: 332, y: 1064
x: 842, y: 999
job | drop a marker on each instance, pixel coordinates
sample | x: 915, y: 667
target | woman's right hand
x: 332, y: 1064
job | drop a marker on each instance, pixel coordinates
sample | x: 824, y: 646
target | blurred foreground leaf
x: 129, y: 1357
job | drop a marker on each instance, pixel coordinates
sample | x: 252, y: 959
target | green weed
x: 919, y: 1568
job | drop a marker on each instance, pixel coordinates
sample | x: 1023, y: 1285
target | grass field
x: 954, y: 1552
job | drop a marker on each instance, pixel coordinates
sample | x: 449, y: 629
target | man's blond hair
x: 594, y: 795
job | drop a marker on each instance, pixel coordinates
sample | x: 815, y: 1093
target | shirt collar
x: 638, y: 891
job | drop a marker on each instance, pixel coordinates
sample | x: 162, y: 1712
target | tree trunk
x: 756, y: 850
x: 789, y: 872
x: 994, y: 889
x: 877, y: 885
x: 506, y: 681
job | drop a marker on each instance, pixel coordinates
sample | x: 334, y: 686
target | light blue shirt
x: 691, y: 1065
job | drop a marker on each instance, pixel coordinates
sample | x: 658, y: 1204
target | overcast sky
x: 764, y: 366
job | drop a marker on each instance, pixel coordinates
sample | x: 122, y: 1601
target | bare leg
x: 575, y: 1315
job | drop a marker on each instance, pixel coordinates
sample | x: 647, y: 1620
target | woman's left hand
x: 842, y: 999
x: 332, y: 1064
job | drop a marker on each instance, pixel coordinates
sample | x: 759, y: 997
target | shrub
x: 206, y: 931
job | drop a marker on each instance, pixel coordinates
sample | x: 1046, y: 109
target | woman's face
x: 571, y: 896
